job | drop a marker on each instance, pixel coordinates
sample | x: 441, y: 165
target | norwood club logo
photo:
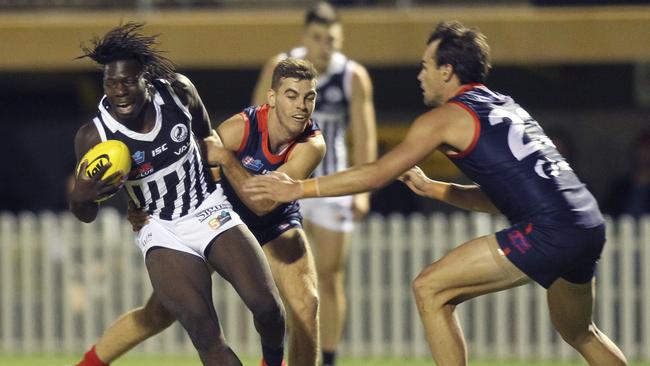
x: 252, y: 164
x: 138, y: 157
x: 179, y: 132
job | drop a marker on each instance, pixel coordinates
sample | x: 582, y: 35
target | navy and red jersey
x: 255, y: 155
x: 517, y: 165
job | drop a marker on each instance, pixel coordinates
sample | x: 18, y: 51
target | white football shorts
x: 193, y: 232
x: 332, y: 213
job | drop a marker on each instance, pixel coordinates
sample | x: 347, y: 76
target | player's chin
x: 432, y: 103
x: 298, y: 125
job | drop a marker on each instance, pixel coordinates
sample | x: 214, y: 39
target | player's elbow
x: 83, y: 214
x: 490, y: 208
x: 85, y: 218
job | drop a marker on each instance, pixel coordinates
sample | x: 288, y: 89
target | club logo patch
x: 138, y: 157
x: 218, y: 221
x: 214, y: 223
x: 333, y: 95
x: 252, y: 164
x: 224, y: 217
x: 179, y: 132
x: 519, y: 241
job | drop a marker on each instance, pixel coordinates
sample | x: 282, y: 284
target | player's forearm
x: 468, y: 197
x: 359, y: 179
x: 237, y: 176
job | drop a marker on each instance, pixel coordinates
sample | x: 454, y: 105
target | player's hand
x: 417, y: 181
x: 137, y: 217
x: 215, y: 152
x: 87, y: 189
x: 276, y: 186
x: 360, y: 205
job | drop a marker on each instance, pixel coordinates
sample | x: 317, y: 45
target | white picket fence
x: 63, y: 282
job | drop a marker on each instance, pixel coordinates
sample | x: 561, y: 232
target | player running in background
x: 158, y: 114
x: 344, y: 104
x: 275, y: 136
x: 557, y: 231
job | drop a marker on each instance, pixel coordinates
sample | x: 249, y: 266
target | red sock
x: 91, y: 359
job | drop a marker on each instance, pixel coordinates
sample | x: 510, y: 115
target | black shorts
x: 266, y: 233
x: 547, y: 252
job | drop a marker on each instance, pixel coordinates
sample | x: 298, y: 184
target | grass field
x: 52, y: 360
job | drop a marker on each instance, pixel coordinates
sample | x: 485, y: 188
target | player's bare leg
x: 472, y: 269
x: 132, y: 328
x: 331, y: 250
x: 571, y: 306
x: 182, y: 283
x: 238, y: 258
x: 294, y: 272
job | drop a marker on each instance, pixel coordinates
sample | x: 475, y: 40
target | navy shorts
x: 266, y: 233
x: 547, y: 252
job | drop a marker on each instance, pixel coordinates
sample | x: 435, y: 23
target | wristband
x: 310, y: 187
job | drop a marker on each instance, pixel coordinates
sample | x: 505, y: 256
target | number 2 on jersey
x: 516, y: 131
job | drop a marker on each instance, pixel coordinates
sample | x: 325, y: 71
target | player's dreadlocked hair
x: 124, y: 42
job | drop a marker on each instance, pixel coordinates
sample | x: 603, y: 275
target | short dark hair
x: 124, y: 42
x: 323, y: 13
x: 292, y: 68
x: 465, y: 49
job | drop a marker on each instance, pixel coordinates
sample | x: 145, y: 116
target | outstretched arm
x: 468, y: 197
x: 428, y: 132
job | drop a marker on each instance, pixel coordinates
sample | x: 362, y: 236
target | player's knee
x: 156, y: 318
x: 306, y: 308
x: 421, y: 290
x: 211, y: 345
x: 202, y: 328
x: 329, y: 278
x: 429, y: 288
x: 577, y: 337
x: 268, y: 313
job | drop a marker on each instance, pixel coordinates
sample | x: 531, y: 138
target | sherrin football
x: 113, y: 151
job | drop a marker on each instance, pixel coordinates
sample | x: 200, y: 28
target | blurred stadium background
x: 582, y: 68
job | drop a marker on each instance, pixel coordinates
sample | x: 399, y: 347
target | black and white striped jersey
x: 167, y: 177
x: 331, y: 113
